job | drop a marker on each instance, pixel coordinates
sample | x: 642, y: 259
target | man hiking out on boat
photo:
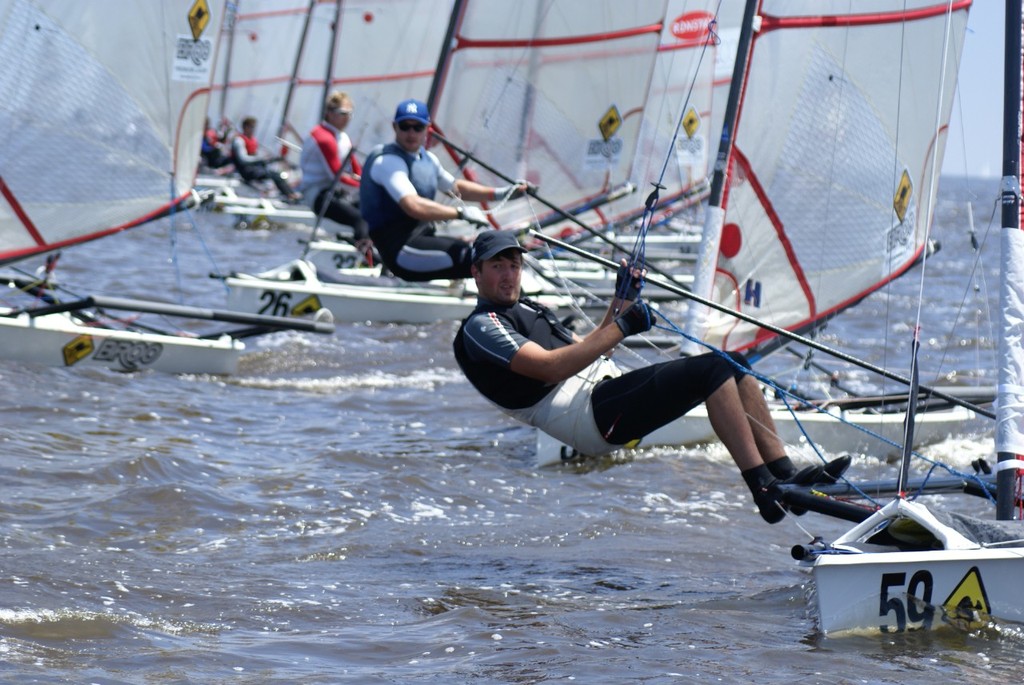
x: 331, y: 171
x: 252, y: 166
x: 397, y: 192
x: 517, y: 355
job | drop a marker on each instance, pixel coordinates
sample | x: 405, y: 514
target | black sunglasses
x: 406, y: 126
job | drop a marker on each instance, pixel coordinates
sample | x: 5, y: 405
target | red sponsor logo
x: 692, y: 27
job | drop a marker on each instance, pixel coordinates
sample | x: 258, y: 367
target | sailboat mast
x: 283, y: 128
x: 331, y: 53
x: 1010, y: 397
x: 232, y: 20
x: 707, y: 259
x: 732, y: 104
x: 442, y: 59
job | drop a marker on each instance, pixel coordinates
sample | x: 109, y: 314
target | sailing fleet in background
x: 816, y: 160
x: 105, y: 144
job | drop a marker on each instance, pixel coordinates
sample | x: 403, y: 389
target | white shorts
x: 567, y: 414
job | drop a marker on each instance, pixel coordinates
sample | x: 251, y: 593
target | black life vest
x: 498, y: 383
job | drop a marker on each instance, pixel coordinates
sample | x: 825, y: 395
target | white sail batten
x: 831, y: 180
x: 95, y: 142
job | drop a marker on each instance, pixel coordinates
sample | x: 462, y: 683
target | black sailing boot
x: 763, y: 486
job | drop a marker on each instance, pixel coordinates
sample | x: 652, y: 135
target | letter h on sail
x: 752, y: 293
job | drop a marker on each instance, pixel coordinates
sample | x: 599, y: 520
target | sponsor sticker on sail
x: 691, y: 148
x: 692, y: 28
x: 900, y: 240
x: 605, y: 151
x: 193, y: 54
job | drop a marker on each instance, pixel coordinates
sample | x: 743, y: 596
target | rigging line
x: 202, y: 241
x: 935, y: 127
x: 638, y: 256
x: 973, y: 288
x: 558, y: 279
x: 550, y: 205
x: 674, y: 288
x: 908, y: 425
x: 712, y: 39
x: 173, y: 236
x: 568, y: 285
x: 934, y: 174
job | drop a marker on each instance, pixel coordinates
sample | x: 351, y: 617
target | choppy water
x: 347, y: 510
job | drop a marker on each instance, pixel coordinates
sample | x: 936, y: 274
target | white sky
x: 974, y: 146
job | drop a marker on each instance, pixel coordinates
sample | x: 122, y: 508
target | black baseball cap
x: 491, y: 243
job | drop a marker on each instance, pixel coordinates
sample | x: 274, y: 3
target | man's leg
x: 733, y: 427
x: 769, y: 446
x: 729, y: 420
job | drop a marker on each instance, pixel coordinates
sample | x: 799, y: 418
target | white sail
x: 686, y: 102
x: 834, y: 170
x: 95, y: 142
x: 551, y: 91
x: 276, y: 58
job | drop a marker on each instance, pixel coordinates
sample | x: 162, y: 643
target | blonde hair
x: 337, y: 100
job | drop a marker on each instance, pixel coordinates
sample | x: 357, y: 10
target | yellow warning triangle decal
x: 310, y: 305
x: 78, y: 349
x: 691, y: 122
x: 904, y: 193
x: 610, y: 122
x: 967, y: 605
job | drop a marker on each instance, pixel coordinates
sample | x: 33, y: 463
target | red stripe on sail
x: 565, y: 40
x: 780, y: 230
x: 16, y: 206
x: 769, y: 22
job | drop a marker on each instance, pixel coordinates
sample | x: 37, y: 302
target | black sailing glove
x: 637, y: 319
x: 628, y: 286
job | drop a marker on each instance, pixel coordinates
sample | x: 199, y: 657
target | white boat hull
x: 254, y: 210
x: 831, y: 432
x: 834, y: 432
x: 949, y: 579
x: 347, y: 303
x: 294, y: 290
x: 57, y: 340
x: 897, y: 591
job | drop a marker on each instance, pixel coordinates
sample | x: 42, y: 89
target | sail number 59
x: 910, y: 606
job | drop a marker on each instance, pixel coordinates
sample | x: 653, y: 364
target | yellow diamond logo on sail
x: 198, y: 18
x: 310, y: 305
x: 691, y: 122
x: 77, y: 350
x: 904, y: 193
x: 967, y: 605
x: 610, y: 122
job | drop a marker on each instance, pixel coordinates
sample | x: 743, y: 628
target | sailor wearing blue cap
x: 396, y: 197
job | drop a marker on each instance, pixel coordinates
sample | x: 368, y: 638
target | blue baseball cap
x: 412, y: 109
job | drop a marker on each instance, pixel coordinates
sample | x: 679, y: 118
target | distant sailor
x: 397, y: 192
x: 252, y: 166
x: 517, y: 355
x: 212, y: 149
x: 331, y: 171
